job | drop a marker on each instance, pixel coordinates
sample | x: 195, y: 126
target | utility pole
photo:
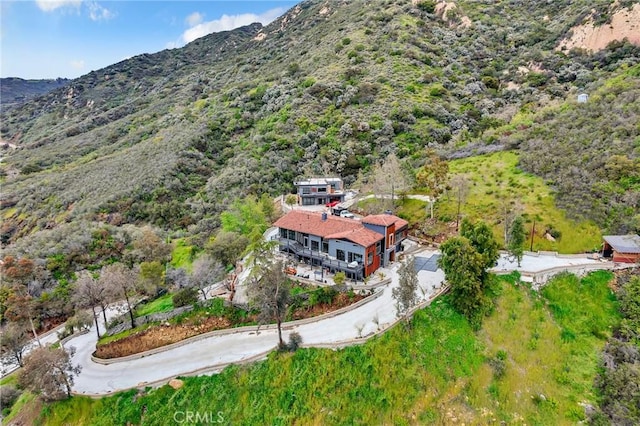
x: 533, y: 232
x: 458, y: 214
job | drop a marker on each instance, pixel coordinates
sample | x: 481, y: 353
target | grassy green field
x: 438, y: 371
x: 550, y: 343
x: 163, y: 303
x: 182, y: 255
x: 495, y: 180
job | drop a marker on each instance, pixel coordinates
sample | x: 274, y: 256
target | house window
x: 306, y: 190
x: 357, y: 257
x: 379, y: 247
x: 315, y: 245
x: 340, y: 255
x: 370, y: 258
x: 325, y: 247
x: 322, y: 190
x: 390, y: 240
x: 292, y: 235
x: 283, y: 233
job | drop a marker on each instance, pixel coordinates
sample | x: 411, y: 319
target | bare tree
x: 269, y: 291
x: 122, y: 282
x: 460, y: 188
x: 13, y: 339
x: 432, y: 177
x: 405, y: 294
x: 91, y: 293
x: 177, y: 277
x: 388, y: 180
x: 49, y: 372
x: 206, y: 271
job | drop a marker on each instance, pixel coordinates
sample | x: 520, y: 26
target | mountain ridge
x: 15, y: 91
x: 330, y: 87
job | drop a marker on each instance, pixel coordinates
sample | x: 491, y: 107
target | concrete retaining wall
x: 251, y: 328
x: 124, y: 322
x: 73, y: 336
x: 263, y: 355
x: 539, y: 278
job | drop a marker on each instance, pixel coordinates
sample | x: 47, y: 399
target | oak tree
x: 269, y: 288
x: 465, y: 261
x: 122, y: 282
x: 14, y: 337
x: 206, y: 271
x: 405, y: 294
x: 49, y: 373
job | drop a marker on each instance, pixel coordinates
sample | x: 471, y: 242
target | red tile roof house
x: 355, y: 247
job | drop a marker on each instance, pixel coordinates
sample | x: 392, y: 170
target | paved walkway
x: 212, y: 353
x: 49, y: 338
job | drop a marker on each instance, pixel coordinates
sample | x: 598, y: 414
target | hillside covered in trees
x: 134, y: 170
x: 331, y: 87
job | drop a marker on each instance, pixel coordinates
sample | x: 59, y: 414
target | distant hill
x: 15, y: 91
x: 331, y: 87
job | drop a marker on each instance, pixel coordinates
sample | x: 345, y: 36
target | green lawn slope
x: 495, y: 181
x: 533, y: 362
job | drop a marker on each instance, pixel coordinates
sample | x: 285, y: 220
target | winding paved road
x: 211, y: 354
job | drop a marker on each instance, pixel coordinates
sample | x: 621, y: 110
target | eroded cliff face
x: 625, y: 23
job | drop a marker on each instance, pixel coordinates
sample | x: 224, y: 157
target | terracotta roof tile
x: 385, y: 220
x: 312, y: 223
x: 363, y: 236
x: 333, y: 228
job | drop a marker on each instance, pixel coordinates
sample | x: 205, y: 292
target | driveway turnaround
x: 213, y: 353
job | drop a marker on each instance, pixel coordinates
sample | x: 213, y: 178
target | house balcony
x: 320, y: 258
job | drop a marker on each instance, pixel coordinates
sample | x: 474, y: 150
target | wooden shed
x: 622, y: 248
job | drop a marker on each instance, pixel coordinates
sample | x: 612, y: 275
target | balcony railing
x: 325, y: 260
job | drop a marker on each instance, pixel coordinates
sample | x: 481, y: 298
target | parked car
x: 347, y: 214
x: 332, y: 203
x: 336, y: 211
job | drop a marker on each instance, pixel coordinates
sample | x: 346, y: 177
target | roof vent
x: 388, y: 212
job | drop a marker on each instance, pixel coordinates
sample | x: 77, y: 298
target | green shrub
x: 184, y: 297
x: 8, y: 395
x: 295, y: 341
x: 428, y: 6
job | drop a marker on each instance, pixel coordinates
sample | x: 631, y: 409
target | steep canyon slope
x: 331, y: 87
